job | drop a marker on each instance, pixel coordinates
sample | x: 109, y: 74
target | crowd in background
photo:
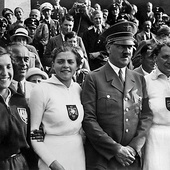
x: 33, y: 49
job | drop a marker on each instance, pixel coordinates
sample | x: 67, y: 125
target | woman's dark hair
x: 65, y: 48
x: 71, y: 34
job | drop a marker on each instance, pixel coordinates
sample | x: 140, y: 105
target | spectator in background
x: 47, y: 28
x: 158, y: 13
x: 66, y: 26
x: 145, y: 33
x: 147, y: 60
x: 58, y: 12
x: 14, y: 116
x: 4, y: 38
x: 157, y: 147
x: 82, y: 14
x: 35, y: 75
x: 113, y: 14
x: 61, y: 117
x: 8, y: 14
x: 97, y: 55
x: 35, y: 14
x: 19, y: 14
x: 21, y: 36
x: 97, y: 7
x: 31, y: 26
x: 105, y: 16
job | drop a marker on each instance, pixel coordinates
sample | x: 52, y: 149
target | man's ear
x: 108, y: 48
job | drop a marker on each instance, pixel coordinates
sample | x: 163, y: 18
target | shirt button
x: 127, y: 120
x: 127, y: 109
x: 108, y: 96
x: 127, y: 130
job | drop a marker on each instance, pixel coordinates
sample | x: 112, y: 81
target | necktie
x: 121, y: 75
x: 20, y: 89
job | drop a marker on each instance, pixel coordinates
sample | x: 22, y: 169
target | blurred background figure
x: 19, y: 15
x: 58, y: 11
x: 82, y: 13
x: 8, y: 14
x: 97, y: 7
x: 96, y: 52
x: 35, y: 14
x: 145, y: 33
x: 31, y: 25
x: 35, y: 75
x: 4, y: 37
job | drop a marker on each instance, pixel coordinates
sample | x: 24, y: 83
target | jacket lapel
x: 130, y: 81
x: 112, y: 76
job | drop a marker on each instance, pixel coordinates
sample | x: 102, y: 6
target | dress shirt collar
x: 116, y: 69
x: 6, y: 100
x: 98, y: 29
x: 22, y: 83
x: 62, y: 36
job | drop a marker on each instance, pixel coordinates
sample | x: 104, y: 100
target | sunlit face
x: 147, y: 25
x: 98, y: 19
x: 19, y: 13
x: 21, y: 62
x: 35, y: 14
x: 65, y: 66
x: 67, y: 26
x: 163, y: 60
x: 148, y: 61
x: 149, y: 7
x: 9, y: 17
x: 47, y: 13
x: 72, y: 42
x: 6, y: 71
x: 35, y: 78
x: 120, y: 55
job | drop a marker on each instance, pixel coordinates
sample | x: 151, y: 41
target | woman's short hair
x: 65, y: 48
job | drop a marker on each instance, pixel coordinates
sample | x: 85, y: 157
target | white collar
x: 116, y: 69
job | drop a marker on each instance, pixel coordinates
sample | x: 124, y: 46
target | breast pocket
x: 107, y: 102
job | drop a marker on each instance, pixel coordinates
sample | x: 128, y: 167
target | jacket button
x: 127, y: 120
x: 108, y: 96
x: 127, y: 109
x: 127, y: 130
x: 126, y: 99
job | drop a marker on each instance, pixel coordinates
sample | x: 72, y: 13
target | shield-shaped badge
x: 23, y: 114
x: 72, y: 112
x: 167, y: 102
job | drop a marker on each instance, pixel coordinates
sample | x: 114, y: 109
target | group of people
x: 78, y: 93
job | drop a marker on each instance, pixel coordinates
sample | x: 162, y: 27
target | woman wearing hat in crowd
x: 14, y: 119
x: 55, y: 103
x: 48, y: 27
x: 21, y: 36
x: 35, y: 75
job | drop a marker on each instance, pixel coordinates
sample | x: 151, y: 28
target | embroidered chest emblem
x: 72, y: 112
x: 23, y: 114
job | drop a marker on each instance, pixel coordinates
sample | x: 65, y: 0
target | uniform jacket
x: 114, y: 117
x: 13, y: 127
x: 46, y: 30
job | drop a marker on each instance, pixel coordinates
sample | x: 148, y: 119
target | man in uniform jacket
x: 117, y: 115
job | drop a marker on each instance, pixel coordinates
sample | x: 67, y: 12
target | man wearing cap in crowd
x: 4, y: 38
x: 48, y: 27
x: 35, y: 14
x: 8, y: 14
x: 117, y: 114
